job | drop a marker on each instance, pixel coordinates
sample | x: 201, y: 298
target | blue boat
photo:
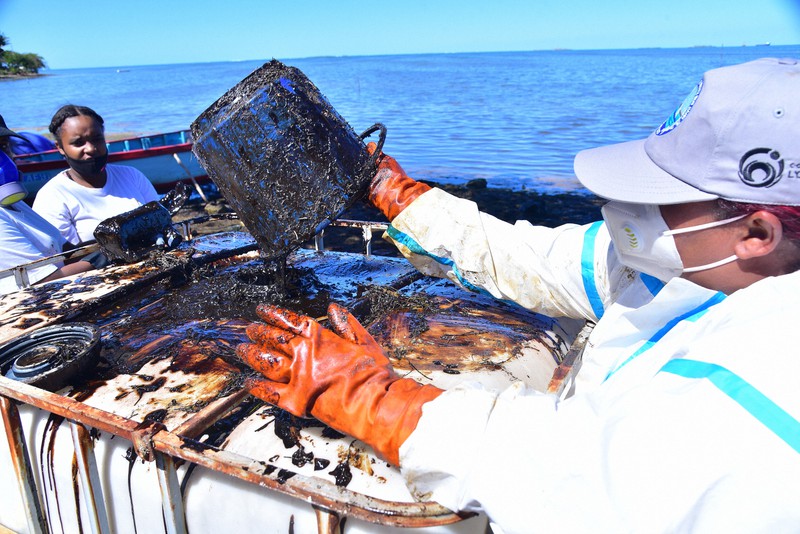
x: 165, y: 159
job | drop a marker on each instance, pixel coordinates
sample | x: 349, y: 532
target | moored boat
x: 164, y: 158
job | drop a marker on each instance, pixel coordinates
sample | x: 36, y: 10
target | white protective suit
x: 685, y: 412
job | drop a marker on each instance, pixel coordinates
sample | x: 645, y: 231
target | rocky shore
x: 508, y: 205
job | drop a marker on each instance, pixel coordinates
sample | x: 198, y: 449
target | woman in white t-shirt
x: 90, y: 191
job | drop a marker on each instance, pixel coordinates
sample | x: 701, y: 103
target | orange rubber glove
x: 341, y: 377
x: 392, y: 190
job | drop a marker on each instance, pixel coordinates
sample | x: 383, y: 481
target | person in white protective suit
x: 685, y: 414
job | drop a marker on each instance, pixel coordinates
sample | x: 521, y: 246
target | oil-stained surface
x: 282, y: 156
x: 42, y: 304
x: 432, y: 331
x: 167, y: 356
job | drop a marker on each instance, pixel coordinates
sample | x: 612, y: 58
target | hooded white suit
x: 685, y: 411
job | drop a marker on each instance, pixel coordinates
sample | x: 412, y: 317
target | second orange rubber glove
x: 340, y: 376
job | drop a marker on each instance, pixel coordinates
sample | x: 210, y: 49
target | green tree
x: 3, y: 43
x: 17, y: 63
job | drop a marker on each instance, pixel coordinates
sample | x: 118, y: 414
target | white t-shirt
x: 25, y: 237
x: 76, y: 210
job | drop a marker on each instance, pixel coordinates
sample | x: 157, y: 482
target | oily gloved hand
x: 339, y: 376
x: 392, y: 190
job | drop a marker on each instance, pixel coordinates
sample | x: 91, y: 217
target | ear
x: 60, y: 150
x: 763, y: 234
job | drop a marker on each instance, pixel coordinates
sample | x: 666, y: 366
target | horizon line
x: 556, y: 49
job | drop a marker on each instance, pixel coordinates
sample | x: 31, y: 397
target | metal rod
x: 89, y: 478
x: 367, y: 233
x: 310, y: 489
x: 34, y: 514
x: 191, y: 177
x: 171, y: 500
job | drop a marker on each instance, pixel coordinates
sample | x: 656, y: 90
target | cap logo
x: 679, y: 114
x: 761, y: 167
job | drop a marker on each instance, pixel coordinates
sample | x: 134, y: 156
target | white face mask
x: 644, y: 242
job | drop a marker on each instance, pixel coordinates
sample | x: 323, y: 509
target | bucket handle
x: 381, y: 138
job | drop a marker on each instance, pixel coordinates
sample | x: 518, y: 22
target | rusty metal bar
x: 148, y: 440
x: 89, y: 479
x: 171, y: 499
x: 35, y: 516
x: 69, y: 408
x: 199, y: 422
x: 313, y: 490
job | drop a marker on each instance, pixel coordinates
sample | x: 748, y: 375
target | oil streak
x: 75, y: 491
x: 131, y: 457
x: 46, y: 459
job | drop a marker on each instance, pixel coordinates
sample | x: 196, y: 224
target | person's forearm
x: 68, y: 270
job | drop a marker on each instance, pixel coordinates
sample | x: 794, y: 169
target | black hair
x: 66, y: 112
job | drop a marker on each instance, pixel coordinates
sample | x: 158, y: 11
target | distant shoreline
x: 21, y: 76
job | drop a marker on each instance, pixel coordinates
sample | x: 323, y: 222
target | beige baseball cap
x: 736, y: 136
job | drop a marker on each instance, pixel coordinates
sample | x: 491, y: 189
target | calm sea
x: 514, y: 118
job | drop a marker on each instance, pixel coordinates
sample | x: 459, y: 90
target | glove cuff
x: 392, y: 191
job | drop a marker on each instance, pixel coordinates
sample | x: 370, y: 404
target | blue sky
x: 97, y: 33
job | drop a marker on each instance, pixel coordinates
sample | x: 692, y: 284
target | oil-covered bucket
x: 284, y: 159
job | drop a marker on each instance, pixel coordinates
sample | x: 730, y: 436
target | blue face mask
x: 11, y: 189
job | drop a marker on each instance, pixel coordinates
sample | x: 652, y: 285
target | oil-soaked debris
x: 157, y: 416
x: 149, y: 388
x: 287, y: 426
x: 328, y: 432
x: 321, y: 463
x: 299, y: 162
x: 301, y: 457
x: 284, y: 475
x: 383, y: 300
x: 28, y: 322
x: 342, y: 475
x: 194, y: 445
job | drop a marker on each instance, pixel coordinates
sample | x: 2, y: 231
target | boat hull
x: 155, y: 156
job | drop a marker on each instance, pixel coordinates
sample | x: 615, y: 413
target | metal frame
x: 154, y: 442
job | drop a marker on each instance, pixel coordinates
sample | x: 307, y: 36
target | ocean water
x: 516, y: 119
